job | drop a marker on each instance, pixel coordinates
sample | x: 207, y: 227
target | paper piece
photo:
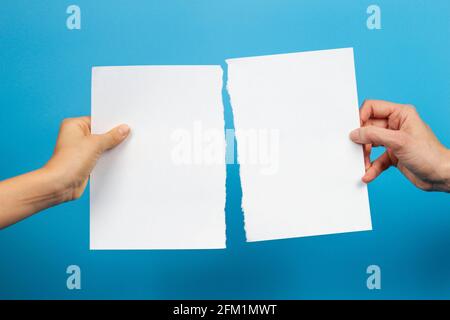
x: 300, y: 173
x: 164, y: 187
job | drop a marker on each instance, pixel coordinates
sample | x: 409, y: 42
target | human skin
x: 410, y: 144
x: 64, y: 177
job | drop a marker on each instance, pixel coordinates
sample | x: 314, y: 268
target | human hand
x: 77, y: 152
x: 410, y: 145
x: 64, y: 177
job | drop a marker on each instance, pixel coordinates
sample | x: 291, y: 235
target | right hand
x: 410, y: 144
x: 77, y: 151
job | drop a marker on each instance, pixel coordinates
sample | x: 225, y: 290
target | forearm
x: 29, y: 193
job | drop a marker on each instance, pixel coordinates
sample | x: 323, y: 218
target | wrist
x: 442, y: 181
x: 55, y: 185
x: 446, y: 170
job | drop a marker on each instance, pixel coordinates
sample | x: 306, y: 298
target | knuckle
x: 96, y: 141
x: 116, y: 137
x: 113, y: 138
x: 411, y: 108
x: 366, y: 103
x: 67, y: 122
x: 369, y: 133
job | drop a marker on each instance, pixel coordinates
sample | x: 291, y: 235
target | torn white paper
x: 300, y: 172
x: 164, y: 187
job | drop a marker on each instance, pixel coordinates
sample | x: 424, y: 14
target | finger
x: 73, y: 128
x: 377, y: 167
x: 78, y: 192
x: 113, y: 137
x: 377, y: 109
x: 86, y: 120
x: 393, y: 139
x: 367, y: 149
x: 84, y: 123
x: 381, y: 123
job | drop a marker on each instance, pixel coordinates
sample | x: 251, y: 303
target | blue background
x: 45, y: 74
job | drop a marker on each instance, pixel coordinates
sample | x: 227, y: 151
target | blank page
x: 164, y: 187
x: 300, y: 173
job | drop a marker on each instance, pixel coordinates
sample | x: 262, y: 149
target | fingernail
x: 124, y: 130
x: 354, y: 134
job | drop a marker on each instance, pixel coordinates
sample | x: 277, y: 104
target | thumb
x: 393, y: 139
x: 113, y: 137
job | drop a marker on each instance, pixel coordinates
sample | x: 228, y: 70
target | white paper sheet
x: 303, y: 178
x: 162, y: 188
